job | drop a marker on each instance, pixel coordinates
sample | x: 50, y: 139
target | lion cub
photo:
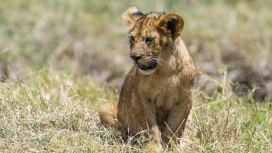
x: 157, y: 92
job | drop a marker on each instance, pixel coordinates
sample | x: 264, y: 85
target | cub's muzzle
x: 151, y: 65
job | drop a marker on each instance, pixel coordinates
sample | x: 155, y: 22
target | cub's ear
x: 132, y: 15
x: 172, y: 22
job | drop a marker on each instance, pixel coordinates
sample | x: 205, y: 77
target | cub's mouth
x: 151, y: 65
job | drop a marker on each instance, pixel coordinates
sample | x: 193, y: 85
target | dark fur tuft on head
x: 137, y: 13
x: 158, y: 13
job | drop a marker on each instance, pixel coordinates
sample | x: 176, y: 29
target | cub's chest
x: 163, y: 92
x: 166, y: 100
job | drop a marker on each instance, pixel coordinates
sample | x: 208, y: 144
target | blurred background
x: 228, y: 38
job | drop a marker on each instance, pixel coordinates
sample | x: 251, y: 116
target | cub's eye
x: 131, y: 38
x: 149, y: 40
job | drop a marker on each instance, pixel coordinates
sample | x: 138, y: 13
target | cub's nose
x: 136, y: 57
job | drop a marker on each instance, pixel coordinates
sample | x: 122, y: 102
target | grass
x: 52, y: 111
x: 63, y: 56
x: 47, y: 112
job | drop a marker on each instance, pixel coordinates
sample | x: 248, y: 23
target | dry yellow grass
x: 52, y: 111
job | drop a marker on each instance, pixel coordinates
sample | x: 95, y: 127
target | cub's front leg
x: 144, y: 117
x: 176, y: 120
x: 150, y: 117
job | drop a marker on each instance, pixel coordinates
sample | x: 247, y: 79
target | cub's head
x: 152, y: 37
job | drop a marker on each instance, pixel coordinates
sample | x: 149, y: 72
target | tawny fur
x: 158, y: 100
